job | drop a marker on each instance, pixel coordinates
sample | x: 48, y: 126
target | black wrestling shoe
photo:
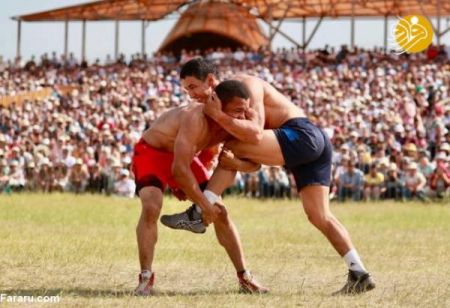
x: 189, y: 220
x: 357, y: 282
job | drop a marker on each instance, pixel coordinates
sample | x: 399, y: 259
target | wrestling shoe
x: 357, y: 282
x: 189, y: 220
x: 248, y: 284
x: 145, y: 286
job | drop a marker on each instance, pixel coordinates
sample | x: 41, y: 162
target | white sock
x: 354, y: 262
x: 146, y: 274
x: 212, y: 198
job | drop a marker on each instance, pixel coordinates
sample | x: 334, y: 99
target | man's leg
x: 220, y: 180
x: 316, y: 206
x: 228, y: 236
x: 147, y: 235
x: 367, y: 193
x: 376, y: 193
x: 315, y: 202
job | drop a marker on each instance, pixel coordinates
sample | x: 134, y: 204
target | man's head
x: 235, y: 98
x: 198, y: 78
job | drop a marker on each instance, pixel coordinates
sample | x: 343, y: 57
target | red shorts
x: 153, y: 167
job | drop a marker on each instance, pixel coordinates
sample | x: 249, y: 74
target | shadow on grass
x: 92, y: 293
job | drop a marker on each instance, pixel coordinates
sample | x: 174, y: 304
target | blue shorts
x: 307, y: 152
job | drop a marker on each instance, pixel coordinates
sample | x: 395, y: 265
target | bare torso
x: 163, y: 133
x: 277, y: 108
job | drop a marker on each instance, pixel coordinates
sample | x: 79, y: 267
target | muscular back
x: 164, y: 131
x: 277, y: 108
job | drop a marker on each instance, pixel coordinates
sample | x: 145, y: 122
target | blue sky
x: 38, y: 38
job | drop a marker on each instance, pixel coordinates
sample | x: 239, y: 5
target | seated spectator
x: 373, y: 184
x: 97, y: 181
x: 440, y: 178
x: 125, y: 186
x: 263, y: 180
x: 4, y: 179
x: 45, y: 176
x: 425, y: 167
x: 112, y: 176
x: 415, y: 183
x: 31, y: 177
x: 251, y: 184
x: 78, y: 177
x: 351, y: 183
x: 394, y: 186
x: 278, y: 183
x: 61, y: 177
x: 16, y: 176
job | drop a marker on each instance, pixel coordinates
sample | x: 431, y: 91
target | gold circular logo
x: 413, y: 33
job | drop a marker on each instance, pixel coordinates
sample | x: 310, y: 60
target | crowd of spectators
x: 387, y: 115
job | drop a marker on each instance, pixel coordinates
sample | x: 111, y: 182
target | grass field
x: 83, y: 249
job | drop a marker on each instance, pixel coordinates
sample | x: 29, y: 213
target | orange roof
x: 335, y: 8
x: 214, y: 24
x: 157, y: 9
x: 109, y: 10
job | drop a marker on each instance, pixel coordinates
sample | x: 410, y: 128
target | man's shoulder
x: 194, y: 111
x: 247, y: 78
x: 193, y: 115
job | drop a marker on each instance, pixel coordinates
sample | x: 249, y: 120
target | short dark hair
x: 227, y: 90
x: 198, y: 68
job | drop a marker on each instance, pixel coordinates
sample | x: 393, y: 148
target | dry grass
x: 83, y: 249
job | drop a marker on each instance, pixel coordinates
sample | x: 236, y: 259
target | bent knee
x: 150, y: 211
x: 223, y: 216
x: 320, y: 221
x: 151, y: 200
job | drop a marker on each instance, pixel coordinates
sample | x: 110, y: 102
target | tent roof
x: 109, y: 10
x: 280, y: 9
x: 276, y: 9
x: 227, y: 20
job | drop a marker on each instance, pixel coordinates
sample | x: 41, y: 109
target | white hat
x: 445, y: 147
x: 441, y: 156
x: 45, y: 161
x: 412, y: 166
x: 124, y: 172
x: 393, y: 167
x: 78, y: 161
x: 14, y: 163
x: 384, y: 162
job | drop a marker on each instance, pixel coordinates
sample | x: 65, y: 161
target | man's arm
x: 249, y: 130
x: 185, y: 148
x: 228, y: 161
